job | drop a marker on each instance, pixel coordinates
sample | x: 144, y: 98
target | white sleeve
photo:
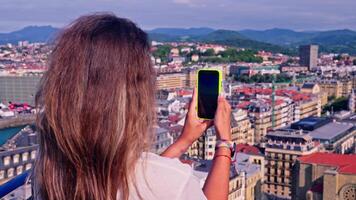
x: 192, y: 190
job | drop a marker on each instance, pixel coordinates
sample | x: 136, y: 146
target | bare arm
x: 192, y: 130
x: 216, y: 186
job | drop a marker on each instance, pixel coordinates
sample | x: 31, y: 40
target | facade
x: 162, y: 141
x: 325, y: 176
x: 282, y: 148
x: 174, y: 80
x: 19, y: 88
x: 236, y: 182
x: 346, y: 87
x: 314, y: 88
x: 332, y: 88
x: 242, y: 131
x: 308, y: 56
x: 254, y: 173
x: 352, y: 101
x: 204, y: 147
x: 18, y: 154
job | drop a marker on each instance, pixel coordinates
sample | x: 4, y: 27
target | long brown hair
x: 96, y: 105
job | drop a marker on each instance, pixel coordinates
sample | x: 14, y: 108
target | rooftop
x: 310, y: 123
x: 243, y: 165
x: 345, y: 164
x: 331, y: 130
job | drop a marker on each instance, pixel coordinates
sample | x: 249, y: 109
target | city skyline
x: 225, y: 14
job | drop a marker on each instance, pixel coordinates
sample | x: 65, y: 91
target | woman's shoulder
x: 166, y: 164
x: 159, y: 177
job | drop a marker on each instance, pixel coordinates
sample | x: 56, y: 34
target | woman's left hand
x: 192, y: 130
x: 193, y: 126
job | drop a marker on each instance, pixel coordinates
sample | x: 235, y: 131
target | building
x: 336, y: 137
x: 19, y: 88
x: 261, y: 114
x: 325, y: 176
x: 174, y: 80
x: 236, y: 182
x: 308, y: 55
x: 314, y: 88
x: 204, y: 147
x: 282, y: 148
x: 352, y: 102
x: 294, y: 69
x: 331, y: 87
x: 254, y: 173
x: 241, y: 128
x: 162, y: 141
x: 346, y: 87
x: 18, y: 154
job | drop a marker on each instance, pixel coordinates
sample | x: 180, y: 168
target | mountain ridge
x: 275, y: 39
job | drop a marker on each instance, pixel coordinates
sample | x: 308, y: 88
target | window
x: 28, y: 166
x: 2, y: 174
x: 25, y: 156
x: 19, y: 170
x: 7, y: 160
x: 16, y: 158
x: 33, y: 155
x: 10, y: 172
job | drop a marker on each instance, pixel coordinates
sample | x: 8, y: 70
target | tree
x: 162, y: 52
x: 209, y: 52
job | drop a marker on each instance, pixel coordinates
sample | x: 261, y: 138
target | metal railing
x: 13, y: 184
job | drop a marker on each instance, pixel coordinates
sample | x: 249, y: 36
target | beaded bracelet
x: 223, y: 156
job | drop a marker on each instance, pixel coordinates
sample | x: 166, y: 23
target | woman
x: 96, y: 119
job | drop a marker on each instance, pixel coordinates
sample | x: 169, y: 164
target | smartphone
x: 209, y: 88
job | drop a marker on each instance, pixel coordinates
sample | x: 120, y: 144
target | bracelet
x: 223, y: 156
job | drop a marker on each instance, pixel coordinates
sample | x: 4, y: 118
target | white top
x: 165, y: 178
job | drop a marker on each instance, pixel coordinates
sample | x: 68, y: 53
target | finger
x: 193, y: 102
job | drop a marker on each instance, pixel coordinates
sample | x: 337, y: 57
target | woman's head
x: 97, y: 109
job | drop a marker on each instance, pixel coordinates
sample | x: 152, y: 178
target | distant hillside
x: 275, y: 40
x: 224, y: 37
x: 30, y: 33
x: 277, y: 36
x: 336, y: 41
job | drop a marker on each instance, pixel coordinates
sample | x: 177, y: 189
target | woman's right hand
x: 223, y: 119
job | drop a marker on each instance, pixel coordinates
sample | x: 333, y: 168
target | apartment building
x: 204, y: 147
x: 162, y: 141
x: 241, y: 128
x: 282, y: 147
x: 331, y: 87
x: 347, y: 85
x: 18, y: 154
x: 352, y: 101
x: 19, y: 88
x: 260, y: 112
x: 236, y: 179
x: 254, y: 173
x: 306, y: 107
x: 174, y: 80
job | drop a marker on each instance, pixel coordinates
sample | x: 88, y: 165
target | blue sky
x: 149, y: 14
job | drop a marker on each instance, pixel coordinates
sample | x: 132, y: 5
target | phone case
x: 197, y: 86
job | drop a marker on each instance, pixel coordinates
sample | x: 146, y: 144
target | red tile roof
x: 346, y: 164
x: 243, y: 105
x: 245, y: 148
